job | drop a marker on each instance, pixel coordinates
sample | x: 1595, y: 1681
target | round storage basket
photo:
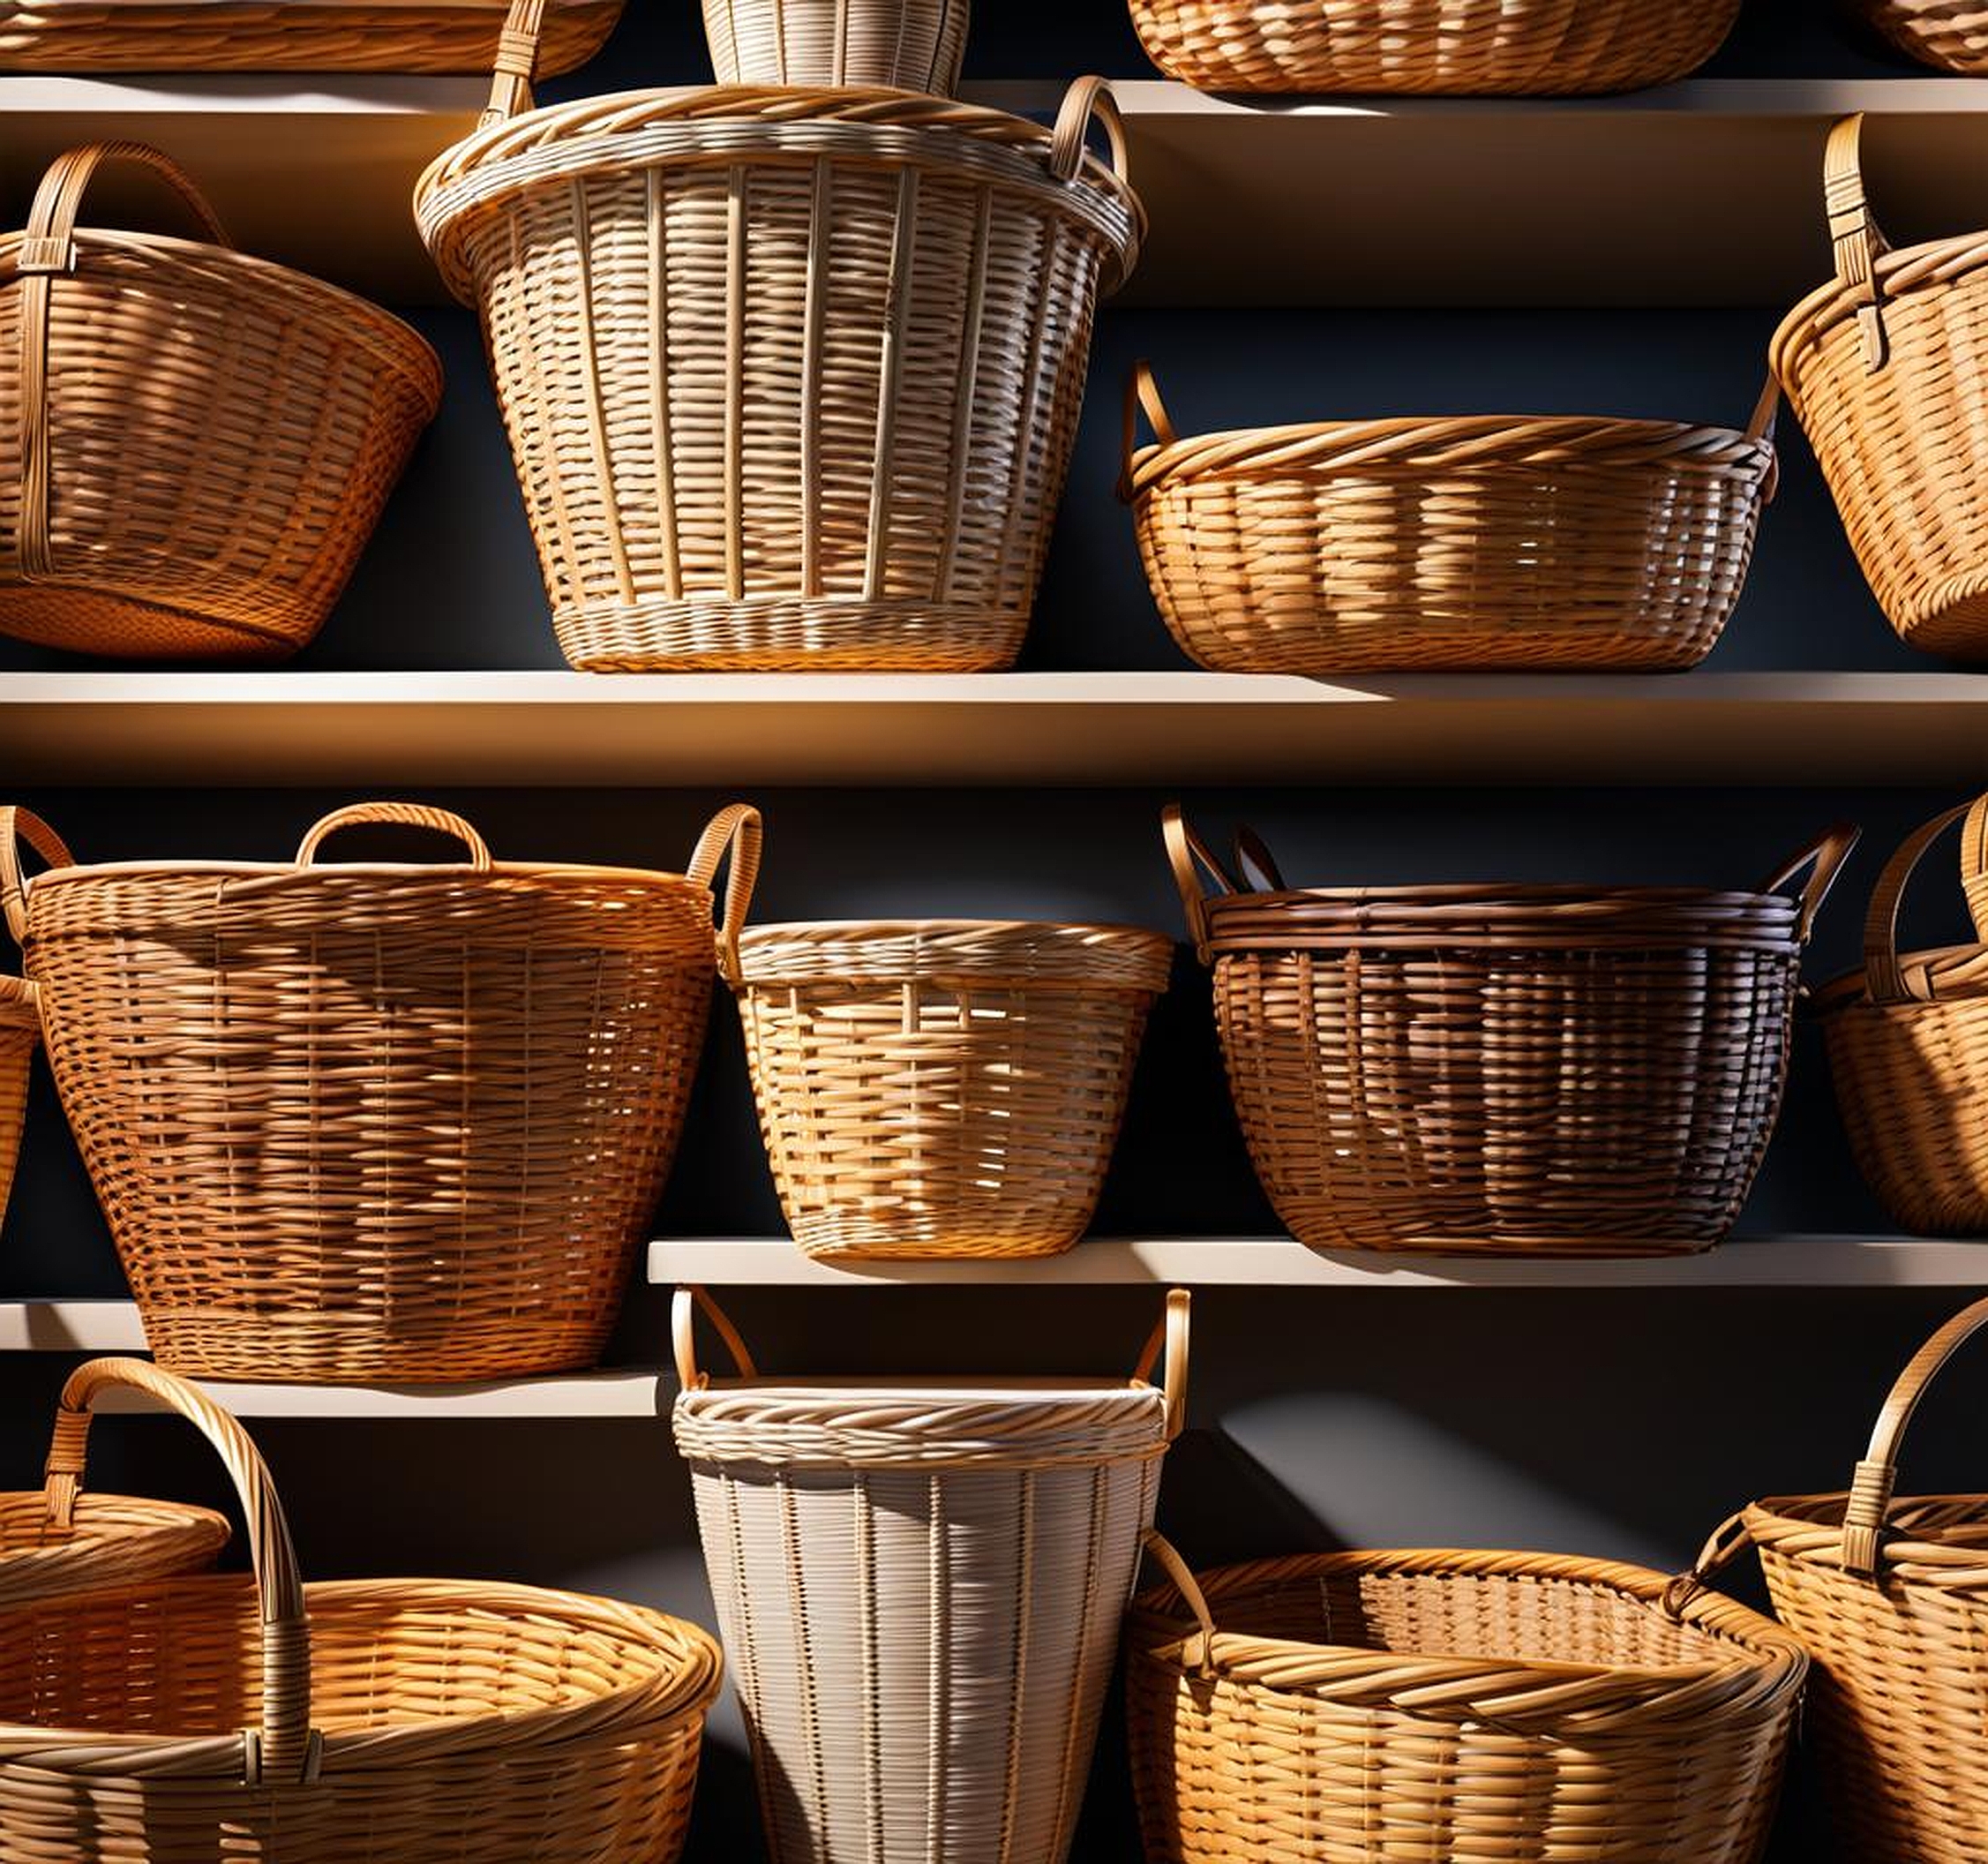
x: 1883, y: 365
x: 194, y: 445
x: 1908, y: 1040
x: 1452, y: 1705
x: 905, y: 45
x: 921, y: 1582
x: 1481, y: 542
x: 357, y: 1122
x: 1531, y: 1070
x: 943, y: 1087
x: 1952, y: 34
x: 366, y: 1722
x: 1463, y: 48
x: 790, y: 377
x: 21, y: 1033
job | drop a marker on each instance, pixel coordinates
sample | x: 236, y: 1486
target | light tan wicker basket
x: 1951, y: 34
x: 1465, y: 47
x: 943, y: 1087
x: 790, y: 376
x: 268, y: 35
x: 1883, y: 365
x: 1891, y: 1598
x: 905, y: 45
x: 1559, y: 542
x: 366, y: 1722
x: 1528, y: 1070
x: 376, y: 1122
x: 921, y: 1582
x: 1455, y: 1705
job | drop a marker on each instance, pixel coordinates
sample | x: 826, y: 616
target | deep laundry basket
x: 921, y: 1583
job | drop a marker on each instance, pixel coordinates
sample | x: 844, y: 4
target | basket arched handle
x: 283, y: 1748
x: 1142, y: 395
x: 1167, y: 1556
x: 516, y: 64
x: 18, y: 825
x: 685, y: 1306
x: 1884, y: 976
x: 1088, y: 101
x: 1855, y: 242
x: 1873, y: 1484
x: 1169, y: 1337
x: 736, y: 829
x: 1255, y: 866
x: 397, y: 815
x: 1822, y: 860
x: 1760, y: 426
x: 1191, y: 858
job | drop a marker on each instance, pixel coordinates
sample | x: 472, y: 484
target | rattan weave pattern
x: 1469, y: 543
x: 1482, y: 47
x: 194, y: 444
x: 1951, y: 34
x: 905, y: 45
x: 20, y: 1034
x: 1475, y: 1707
x: 943, y: 1087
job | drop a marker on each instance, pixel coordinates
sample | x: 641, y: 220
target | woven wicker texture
x: 905, y: 45
x: 1482, y: 47
x: 355, y: 1122
x: 1882, y: 365
x: 943, y: 1087
x: 1475, y: 1707
x: 921, y: 1584
x: 194, y: 445
x: 1483, y: 542
x: 1952, y: 34
x: 1908, y: 1041
x: 369, y: 1722
x: 268, y: 35
x: 790, y: 377
x: 1534, y: 1070
x: 20, y: 1034
x: 1891, y: 1598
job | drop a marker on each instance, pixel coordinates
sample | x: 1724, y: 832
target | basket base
x: 1953, y: 620
x: 86, y: 621
x: 846, y: 1241
x: 1326, y: 650
x: 1327, y: 1240
x: 326, y: 1348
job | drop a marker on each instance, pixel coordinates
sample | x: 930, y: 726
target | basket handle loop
x: 1760, y: 426
x: 1255, y: 865
x: 1823, y: 860
x: 1884, y: 976
x: 48, y: 241
x: 1729, y: 1540
x: 1855, y: 242
x: 516, y: 64
x: 403, y: 814
x: 1191, y: 858
x: 1142, y: 395
x: 18, y: 825
x: 1088, y: 101
x: 284, y: 1747
x: 1169, y: 1335
x: 1163, y: 1553
x: 735, y: 828
x: 1871, y: 1488
x: 685, y: 1306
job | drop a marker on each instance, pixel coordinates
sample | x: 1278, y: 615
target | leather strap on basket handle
x: 283, y: 1746
x: 685, y: 1306
x: 1142, y: 395
x: 400, y: 815
x: 18, y: 825
x: 1167, y: 1556
x: 516, y: 62
x: 1170, y: 1336
x: 47, y: 252
x: 1823, y: 859
x: 736, y: 827
x: 1855, y: 244
x: 1871, y: 1487
x: 1883, y: 977
x: 1190, y: 858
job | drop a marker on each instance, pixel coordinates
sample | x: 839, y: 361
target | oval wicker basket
x: 248, y: 1715
x: 1452, y: 1704
x: 790, y: 377
x: 269, y: 35
x: 376, y: 1122
x: 194, y: 444
x: 902, y: 45
x: 1908, y: 1040
x: 1951, y: 34
x: 1477, y: 542
x: 1523, y: 1070
x: 921, y: 1582
x: 1883, y: 366
x: 1459, y: 48
x: 943, y: 1087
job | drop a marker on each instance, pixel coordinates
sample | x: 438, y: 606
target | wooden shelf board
x: 110, y: 728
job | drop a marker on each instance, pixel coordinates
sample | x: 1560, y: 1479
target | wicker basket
x: 1883, y: 366
x: 268, y: 35
x: 194, y: 445
x: 1952, y: 34
x: 1456, y: 1705
x: 943, y: 1087
x: 1477, y: 542
x: 360, y: 1122
x: 1908, y: 1041
x: 20, y: 1034
x: 922, y: 1583
x: 1461, y: 48
x: 1528, y: 1070
x: 905, y: 45
x: 1891, y: 1598
x: 367, y: 1722
x: 790, y: 377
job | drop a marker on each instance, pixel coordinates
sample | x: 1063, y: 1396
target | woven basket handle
x: 1167, y: 1556
x: 1760, y: 426
x: 1884, y: 976
x: 1822, y: 860
x: 1088, y: 101
x: 1169, y: 1336
x: 1142, y: 395
x: 18, y: 825
x: 1871, y: 1486
x: 399, y: 814
x: 736, y: 829
x: 516, y: 64
x: 283, y: 1748
x: 1855, y: 243
x: 1191, y: 858
x: 685, y: 1306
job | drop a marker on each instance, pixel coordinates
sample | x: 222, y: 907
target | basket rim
x: 453, y: 870
x: 1797, y: 1528
x: 1847, y: 989
x: 1100, y: 954
x: 1900, y: 270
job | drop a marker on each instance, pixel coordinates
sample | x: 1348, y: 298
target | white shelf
x: 1791, y: 1261
x: 70, y: 1327
x: 1702, y: 728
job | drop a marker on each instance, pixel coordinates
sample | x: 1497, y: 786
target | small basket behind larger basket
x: 1951, y: 36
x: 901, y: 45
